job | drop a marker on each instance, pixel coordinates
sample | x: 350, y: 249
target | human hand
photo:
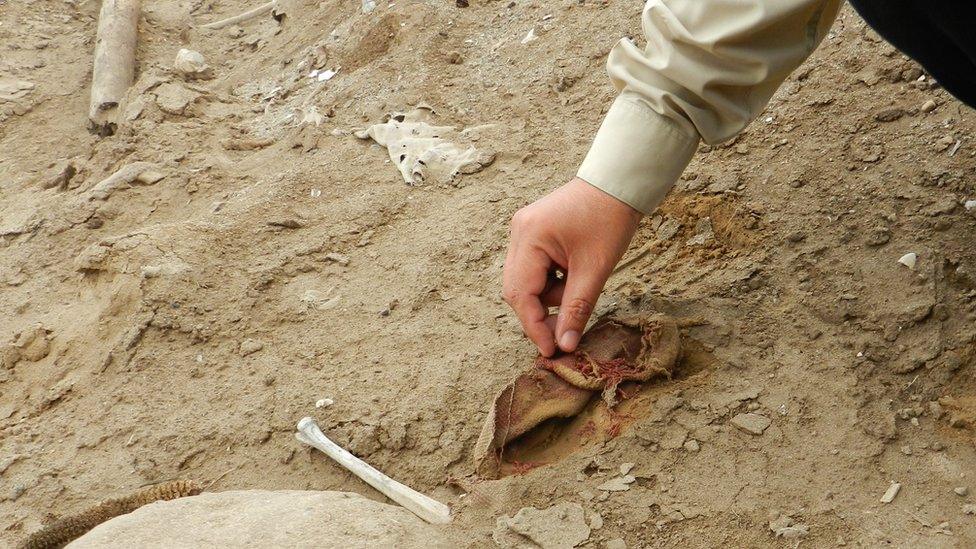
x: 578, y: 230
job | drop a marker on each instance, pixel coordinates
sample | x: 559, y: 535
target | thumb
x: 579, y: 299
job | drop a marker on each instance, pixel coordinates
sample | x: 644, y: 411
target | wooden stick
x: 424, y: 507
x: 115, y: 62
x: 260, y: 10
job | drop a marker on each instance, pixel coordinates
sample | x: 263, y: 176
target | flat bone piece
x: 424, y: 507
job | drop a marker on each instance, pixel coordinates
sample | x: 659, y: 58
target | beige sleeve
x: 709, y: 68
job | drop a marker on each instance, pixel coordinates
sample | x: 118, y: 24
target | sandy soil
x: 180, y: 329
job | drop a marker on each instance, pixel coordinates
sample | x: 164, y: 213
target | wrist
x: 606, y: 203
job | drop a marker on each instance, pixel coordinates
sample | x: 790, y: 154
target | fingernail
x: 569, y: 341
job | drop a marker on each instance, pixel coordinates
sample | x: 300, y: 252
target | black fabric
x: 939, y: 34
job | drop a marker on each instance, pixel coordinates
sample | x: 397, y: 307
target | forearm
x: 709, y: 68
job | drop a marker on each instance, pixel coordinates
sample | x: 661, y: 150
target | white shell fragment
x: 891, y: 492
x: 422, y: 154
x: 530, y: 36
x: 970, y: 205
x: 322, y: 76
x: 909, y: 260
x: 324, y: 402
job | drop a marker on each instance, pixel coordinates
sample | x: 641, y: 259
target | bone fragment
x: 143, y: 172
x: 260, y: 10
x: 114, y: 64
x: 424, y: 507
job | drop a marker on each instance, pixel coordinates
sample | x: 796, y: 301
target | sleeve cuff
x: 637, y: 154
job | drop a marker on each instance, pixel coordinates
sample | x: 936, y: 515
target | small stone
x: 618, y: 484
x: 961, y: 491
x: 906, y: 449
x: 250, y: 346
x: 703, y: 233
x: 692, y: 445
x: 668, y: 229
x: 286, y: 223
x: 969, y: 509
x: 596, y: 520
x: 754, y: 424
x: 936, y: 410
x: 784, y: 527
x: 970, y: 205
x: 723, y: 183
x: 191, y: 64
x: 626, y: 468
x: 889, y: 115
x: 172, y: 98
x: 337, y: 258
x: 878, y: 236
x: 562, y: 525
x: 151, y: 271
x: 796, y: 237
x: 891, y: 492
x: 929, y: 106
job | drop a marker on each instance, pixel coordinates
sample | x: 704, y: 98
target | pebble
x: 562, y: 525
x: 171, y: 98
x: 324, y: 402
x: 618, y: 484
x: 929, y: 106
x: 969, y: 509
x: 338, y: 258
x: 703, y: 233
x: 625, y: 468
x: 250, y: 346
x: 754, y: 424
x: 784, y: 527
x: 970, y: 205
x: 796, y: 237
x: 961, y: 491
x: 191, y: 64
x: 889, y: 115
x: 285, y: 223
x: 891, y: 492
x: 692, y: 445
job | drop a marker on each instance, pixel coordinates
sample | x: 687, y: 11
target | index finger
x: 524, y: 279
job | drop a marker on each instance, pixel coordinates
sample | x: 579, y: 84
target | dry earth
x: 180, y: 329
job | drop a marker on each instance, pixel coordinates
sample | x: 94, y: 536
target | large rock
x: 259, y: 518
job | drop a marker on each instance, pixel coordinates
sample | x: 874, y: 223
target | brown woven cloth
x: 614, y: 350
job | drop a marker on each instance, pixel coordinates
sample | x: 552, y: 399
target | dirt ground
x: 181, y: 329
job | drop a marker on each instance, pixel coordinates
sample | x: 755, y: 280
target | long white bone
x: 424, y: 507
